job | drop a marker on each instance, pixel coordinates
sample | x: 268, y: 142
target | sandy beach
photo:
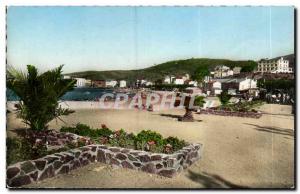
x: 238, y: 152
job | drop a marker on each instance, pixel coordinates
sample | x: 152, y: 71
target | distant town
x: 220, y: 78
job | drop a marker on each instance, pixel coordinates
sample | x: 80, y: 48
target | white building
x: 122, y: 84
x: 236, y: 70
x: 246, y: 84
x: 143, y: 82
x: 240, y: 84
x: 110, y: 83
x: 169, y: 79
x: 179, y: 81
x: 222, y: 71
x: 217, y: 85
x: 217, y: 91
x: 274, y: 66
x: 148, y: 83
x: 66, y: 77
x: 80, y: 82
x: 214, y: 87
x: 207, y: 79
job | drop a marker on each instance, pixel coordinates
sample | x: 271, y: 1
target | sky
x: 113, y: 38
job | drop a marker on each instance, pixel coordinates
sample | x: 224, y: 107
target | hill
x: 177, y: 67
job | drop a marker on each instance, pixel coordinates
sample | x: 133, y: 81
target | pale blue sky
x: 104, y: 38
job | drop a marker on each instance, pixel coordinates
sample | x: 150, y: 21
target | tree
x: 200, y: 73
x: 39, y: 95
x: 224, y: 97
x: 199, y: 101
x: 249, y: 67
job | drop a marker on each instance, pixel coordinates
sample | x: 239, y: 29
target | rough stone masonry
x: 167, y: 165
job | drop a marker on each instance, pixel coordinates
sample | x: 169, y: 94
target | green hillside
x: 178, y: 67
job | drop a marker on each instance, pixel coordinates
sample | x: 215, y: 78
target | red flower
x: 103, y: 140
x: 103, y: 126
x: 118, y: 133
x: 151, y: 142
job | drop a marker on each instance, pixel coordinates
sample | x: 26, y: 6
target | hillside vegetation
x: 178, y: 67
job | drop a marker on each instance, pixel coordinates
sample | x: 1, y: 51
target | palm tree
x: 39, y: 95
x: 188, y: 116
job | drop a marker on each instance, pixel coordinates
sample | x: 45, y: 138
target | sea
x: 77, y: 94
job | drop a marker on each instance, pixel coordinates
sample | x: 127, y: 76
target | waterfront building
x: 80, y: 82
x: 274, y: 66
x: 122, y: 83
x: 222, y: 71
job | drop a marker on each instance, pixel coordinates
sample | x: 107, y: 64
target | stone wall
x: 232, y: 113
x: 26, y: 172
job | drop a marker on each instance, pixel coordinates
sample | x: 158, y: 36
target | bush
x: 224, y: 97
x: 16, y: 150
x: 145, y: 140
x: 199, y: 101
x: 175, y: 143
x: 122, y: 139
x: 104, y: 132
x: 146, y: 136
x: 85, y: 130
x: 22, y: 149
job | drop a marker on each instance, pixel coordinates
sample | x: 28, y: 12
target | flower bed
x: 147, y: 151
x: 167, y: 165
x: 250, y: 114
x: 146, y: 140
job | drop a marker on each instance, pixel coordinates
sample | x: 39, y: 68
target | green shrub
x: 122, y: 139
x: 146, y: 136
x: 85, y: 130
x: 224, y: 97
x: 20, y: 149
x: 145, y: 140
x: 17, y: 150
x: 104, y: 132
x: 80, y: 127
x: 175, y: 143
x: 199, y: 101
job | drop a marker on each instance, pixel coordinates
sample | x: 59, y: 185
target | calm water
x: 78, y: 94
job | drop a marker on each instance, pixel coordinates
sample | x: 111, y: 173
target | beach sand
x: 237, y: 152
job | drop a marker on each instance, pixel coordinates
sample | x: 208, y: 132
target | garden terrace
x: 167, y: 165
x: 250, y: 114
x: 147, y: 151
x: 240, y: 109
